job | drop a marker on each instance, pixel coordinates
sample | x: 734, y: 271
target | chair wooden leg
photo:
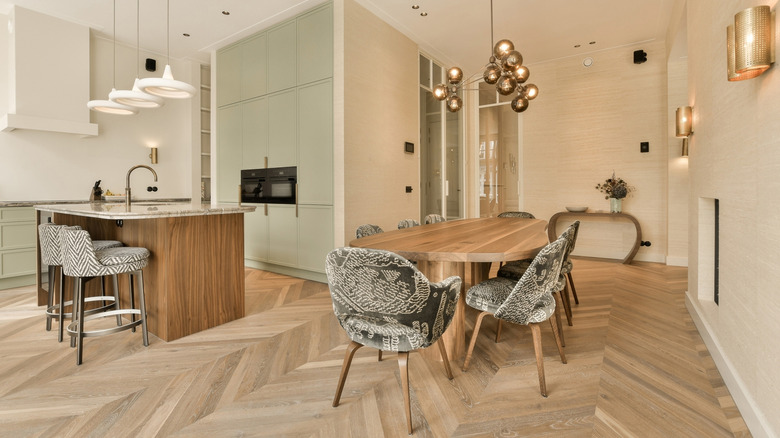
x: 498, y: 331
x: 443, y: 351
x: 403, y: 364
x: 557, y: 315
x: 558, y: 336
x: 473, y: 340
x: 566, y: 302
x: 573, y: 290
x: 379, y: 356
x: 351, y: 349
x: 537, y: 337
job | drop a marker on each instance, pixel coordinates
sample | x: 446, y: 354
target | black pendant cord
x: 137, y: 38
x: 168, y: 32
x: 113, y: 81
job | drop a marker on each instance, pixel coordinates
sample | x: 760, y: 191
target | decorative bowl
x: 577, y: 209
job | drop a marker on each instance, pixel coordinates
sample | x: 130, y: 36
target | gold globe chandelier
x: 505, y: 69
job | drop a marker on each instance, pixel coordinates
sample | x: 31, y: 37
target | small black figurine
x: 97, y: 192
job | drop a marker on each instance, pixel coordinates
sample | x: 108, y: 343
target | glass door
x: 441, y: 149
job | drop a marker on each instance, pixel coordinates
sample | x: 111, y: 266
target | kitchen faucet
x: 127, y: 185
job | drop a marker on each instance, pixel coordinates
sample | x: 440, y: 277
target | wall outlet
x: 408, y: 189
x: 644, y: 146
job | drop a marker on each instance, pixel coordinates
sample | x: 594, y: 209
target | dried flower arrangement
x: 615, y: 187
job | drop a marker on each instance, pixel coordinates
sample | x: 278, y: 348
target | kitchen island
x: 195, y: 276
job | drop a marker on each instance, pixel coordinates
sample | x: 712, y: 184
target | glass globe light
x: 454, y: 103
x: 440, y: 92
x: 512, y: 60
x: 454, y: 75
x: 519, y: 104
x: 492, y: 73
x: 506, y: 85
x: 531, y: 91
x: 502, y: 48
x: 521, y: 74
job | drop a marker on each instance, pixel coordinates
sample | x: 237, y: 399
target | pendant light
x: 166, y: 86
x: 135, y: 97
x: 107, y: 106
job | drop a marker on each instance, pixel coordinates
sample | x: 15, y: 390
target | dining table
x: 466, y: 248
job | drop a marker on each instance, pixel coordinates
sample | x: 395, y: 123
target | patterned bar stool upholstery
x: 367, y: 230
x: 80, y: 260
x: 434, y: 219
x: 382, y: 301
x: 407, y: 223
x: 517, y: 214
x: 49, y: 238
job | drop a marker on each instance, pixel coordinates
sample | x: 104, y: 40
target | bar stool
x: 80, y: 260
x: 49, y: 237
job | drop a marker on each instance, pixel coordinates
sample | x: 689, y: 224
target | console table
x: 552, y: 236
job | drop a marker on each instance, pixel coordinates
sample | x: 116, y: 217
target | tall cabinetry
x: 275, y: 108
x: 17, y: 246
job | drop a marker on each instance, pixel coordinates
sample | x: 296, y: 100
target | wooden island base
x: 195, y: 277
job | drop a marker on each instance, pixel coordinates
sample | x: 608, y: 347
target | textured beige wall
x: 380, y: 114
x: 735, y: 157
x: 588, y: 122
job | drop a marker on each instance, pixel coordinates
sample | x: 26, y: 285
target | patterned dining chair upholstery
x: 528, y: 301
x: 51, y: 255
x: 367, y: 230
x: 434, y: 219
x: 407, y: 223
x: 382, y: 301
x: 81, y: 261
x: 517, y: 214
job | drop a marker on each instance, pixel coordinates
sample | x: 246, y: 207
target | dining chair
x: 407, y: 223
x: 382, y: 301
x: 528, y: 301
x: 434, y: 218
x: 517, y: 214
x: 367, y: 230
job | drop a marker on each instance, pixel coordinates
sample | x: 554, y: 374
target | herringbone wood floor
x: 636, y: 367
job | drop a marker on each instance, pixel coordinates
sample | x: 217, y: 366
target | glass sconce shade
x: 683, y: 125
x: 506, y: 85
x: 730, y: 60
x: 454, y: 103
x: 502, y: 48
x: 753, y: 35
x: 684, y: 152
x: 440, y: 92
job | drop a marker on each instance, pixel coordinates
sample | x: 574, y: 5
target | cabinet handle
x: 266, y: 209
x: 296, y: 199
x: 266, y: 162
x: 239, y: 195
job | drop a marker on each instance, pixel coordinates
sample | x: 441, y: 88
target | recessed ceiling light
x: 225, y: 12
x: 186, y: 34
x: 415, y: 6
x: 423, y: 14
x: 587, y: 62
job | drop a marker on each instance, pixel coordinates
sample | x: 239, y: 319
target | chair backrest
x: 571, y: 238
x: 77, y: 252
x: 407, y: 223
x: 434, y: 218
x: 517, y: 214
x: 388, y: 289
x: 368, y: 230
x: 534, y: 289
x: 49, y: 237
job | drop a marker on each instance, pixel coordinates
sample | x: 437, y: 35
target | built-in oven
x: 275, y: 185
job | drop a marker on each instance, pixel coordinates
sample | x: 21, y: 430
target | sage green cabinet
x: 315, y: 143
x: 229, y: 62
x: 282, y: 235
x: 254, y: 116
x: 315, y: 236
x: 229, y: 152
x: 315, y: 45
x: 282, y: 129
x: 282, y: 57
x: 18, y: 239
x: 253, y: 67
x: 256, y: 234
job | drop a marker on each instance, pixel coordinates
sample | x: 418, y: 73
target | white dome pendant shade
x: 136, y: 98
x: 166, y: 86
x: 110, y: 107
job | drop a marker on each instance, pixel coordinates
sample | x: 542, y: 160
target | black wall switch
x: 408, y: 189
x: 409, y: 147
x: 644, y: 146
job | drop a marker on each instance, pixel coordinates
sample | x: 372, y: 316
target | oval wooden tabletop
x: 490, y: 239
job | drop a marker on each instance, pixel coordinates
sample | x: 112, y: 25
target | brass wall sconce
x: 153, y: 155
x: 750, y: 43
x: 684, y: 126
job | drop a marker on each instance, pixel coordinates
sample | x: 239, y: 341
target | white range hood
x: 48, y: 74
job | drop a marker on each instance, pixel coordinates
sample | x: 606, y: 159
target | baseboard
x: 285, y: 270
x: 676, y: 261
x: 750, y: 411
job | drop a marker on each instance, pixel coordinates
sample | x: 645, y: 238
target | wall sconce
x: 684, y: 126
x: 153, y: 155
x: 750, y: 43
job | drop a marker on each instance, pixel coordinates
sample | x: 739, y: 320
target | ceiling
x: 454, y: 31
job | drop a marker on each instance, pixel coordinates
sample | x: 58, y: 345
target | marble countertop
x: 143, y: 209
x: 81, y: 201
